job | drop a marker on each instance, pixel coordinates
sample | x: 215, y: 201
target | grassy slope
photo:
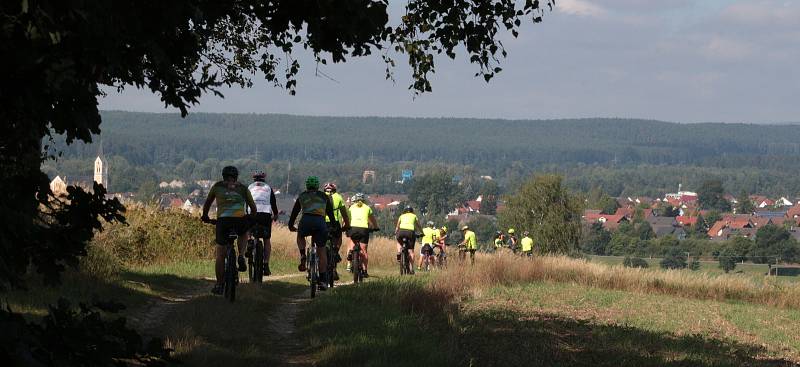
x: 503, y: 312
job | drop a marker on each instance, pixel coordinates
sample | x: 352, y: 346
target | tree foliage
x: 744, y: 205
x: 435, y: 194
x: 675, y: 259
x: 550, y: 212
x: 711, y: 196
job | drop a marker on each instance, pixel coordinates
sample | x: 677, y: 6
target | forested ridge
x: 618, y: 155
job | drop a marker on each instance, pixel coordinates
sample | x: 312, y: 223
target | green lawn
x: 399, y: 322
x: 755, y: 271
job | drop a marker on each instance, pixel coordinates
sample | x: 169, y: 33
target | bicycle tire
x: 331, y: 265
x: 355, y: 266
x: 231, y: 275
x: 250, y: 263
x: 259, y: 262
x: 312, y: 273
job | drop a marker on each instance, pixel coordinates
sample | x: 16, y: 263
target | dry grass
x: 491, y: 271
x: 382, y: 250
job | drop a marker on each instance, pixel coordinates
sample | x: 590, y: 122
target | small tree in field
x: 727, y: 263
x: 635, y: 262
x: 549, y: 211
x: 675, y: 259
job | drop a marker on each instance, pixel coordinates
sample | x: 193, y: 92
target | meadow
x: 502, y: 311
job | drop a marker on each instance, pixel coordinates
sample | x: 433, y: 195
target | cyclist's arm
x: 329, y: 209
x: 273, y: 204
x: 345, y: 216
x: 207, y: 204
x: 295, y: 212
x: 250, y: 202
x: 418, y: 226
x: 397, y: 226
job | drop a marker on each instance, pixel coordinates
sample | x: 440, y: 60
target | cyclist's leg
x: 364, y: 255
x: 219, y: 264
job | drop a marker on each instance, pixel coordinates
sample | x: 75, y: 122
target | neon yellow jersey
x: 470, y: 241
x: 429, y: 235
x: 407, y: 221
x: 338, y: 206
x: 359, y: 215
x: 527, y: 244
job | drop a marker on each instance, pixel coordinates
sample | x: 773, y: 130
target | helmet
x: 498, y: 233
x: 464, y: 228
x: 408, y: 209
x: 312, y: 182
x: 230, y: 171
x: 359, y: 197
x: 430, y: 223
x: 329, y: 186
x: 511, y: 231
x: 259, y: 175
x: 444, y: 229
x: 525, y: 233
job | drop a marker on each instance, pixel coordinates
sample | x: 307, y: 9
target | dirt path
x: 156, y: 311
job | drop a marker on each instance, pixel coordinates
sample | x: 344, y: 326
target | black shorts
x: 226, y: 225
x: 262, y: 226
x: 359, y: 234
x: 314, y: 226
x: 426, y: 249
x: 407, y: 234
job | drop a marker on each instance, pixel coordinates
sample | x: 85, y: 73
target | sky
x: 671, y: 60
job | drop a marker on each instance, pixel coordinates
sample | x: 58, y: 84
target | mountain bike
x: 440, y: 256
x: 406, y: 267
x: 312, y: 264
x: 230, y: 276
x: 255, y: 262
x: 333, y: 255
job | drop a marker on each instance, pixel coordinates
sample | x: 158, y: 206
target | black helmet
x: 230, y: 171
x: 408, y: 209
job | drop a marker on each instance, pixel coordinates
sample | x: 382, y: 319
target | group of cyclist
x: 509, y: 242
x: 324, y: 216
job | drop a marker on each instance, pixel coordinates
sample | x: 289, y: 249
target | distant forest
x: 619, y: 156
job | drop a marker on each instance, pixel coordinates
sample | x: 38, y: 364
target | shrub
x: 635, y: 262
x: 675, y: 259
x: 694, y: 265
x: 99, y: 263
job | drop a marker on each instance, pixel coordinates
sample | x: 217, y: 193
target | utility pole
x: 288, y: 172
x: 256, y: 155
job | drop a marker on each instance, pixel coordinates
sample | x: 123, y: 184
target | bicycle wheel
x: 355, y: 265
x: 250, y: 268
x: 313, y: 275
x: 331, y: 265
x: 258, y: 262
x: 231, y: 275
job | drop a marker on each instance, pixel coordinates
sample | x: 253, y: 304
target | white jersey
x: 261, y: 193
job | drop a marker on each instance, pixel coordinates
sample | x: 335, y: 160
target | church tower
x: 101, y: 168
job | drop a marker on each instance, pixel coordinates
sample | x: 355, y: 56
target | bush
x: 694, y: 265
x: 635, y: 262
x: 99, y: 263
x: 675, y: 259
x: 727, y: 263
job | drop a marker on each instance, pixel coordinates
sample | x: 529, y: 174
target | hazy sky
x: 675, y: 60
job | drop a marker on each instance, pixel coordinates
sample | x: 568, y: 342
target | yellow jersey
x: 407, y: 221
x: 359, y: 215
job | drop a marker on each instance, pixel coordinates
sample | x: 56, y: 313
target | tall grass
x: 491, y: 271
x: 154, y: 236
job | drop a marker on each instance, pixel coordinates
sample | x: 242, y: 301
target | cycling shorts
x: 314, y: 226
x: 408, y: 235
x: 263, y: 223
x: 426, y: 249
x: 226, y: 225
x: 359, y: 234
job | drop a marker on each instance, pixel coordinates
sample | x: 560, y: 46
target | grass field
x: 504, y: 311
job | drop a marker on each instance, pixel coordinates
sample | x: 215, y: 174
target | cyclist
x: 499, y: 241
x: 362, y: 221
x: 470, y: 243
x: 340, y: 214
x: 526, y: 244
x: 314, y: 205
x: 406, y: 228
x: 267, y: 213
x: 441, y: 237
x: 232, y: 197
x: 429, y: 237
x: 512, y: 240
